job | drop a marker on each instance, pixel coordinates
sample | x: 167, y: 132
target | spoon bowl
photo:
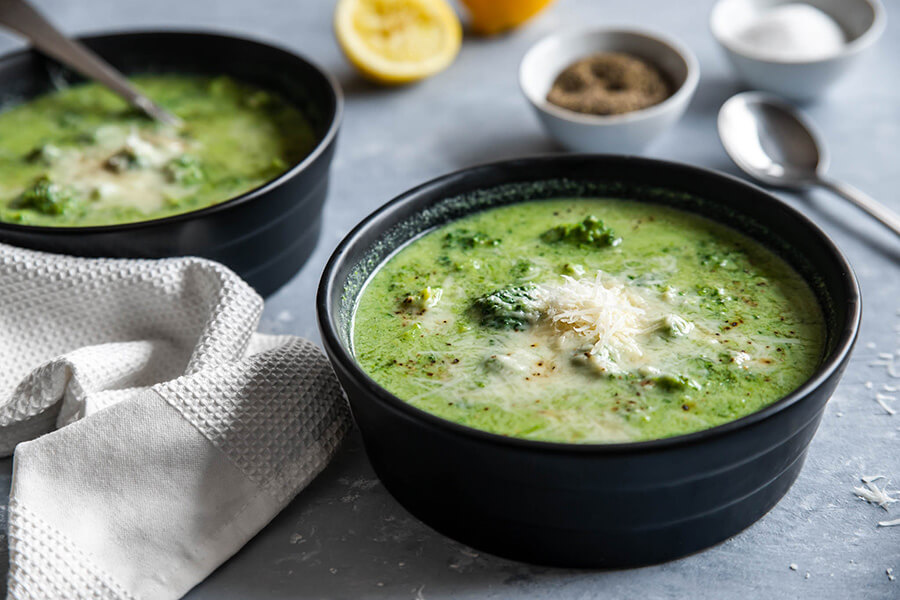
x: 775, y: 144
x: 770, y: 141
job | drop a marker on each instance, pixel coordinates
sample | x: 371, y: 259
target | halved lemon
x: 398, y: 41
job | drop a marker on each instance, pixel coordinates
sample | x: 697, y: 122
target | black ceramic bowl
x: 264, y: 235
x: 592, y: 505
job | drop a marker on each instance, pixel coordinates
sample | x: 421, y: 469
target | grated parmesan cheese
x: 882, y: 400
x: 604, y: 313
x: 887, y: 361
x: 874, y: 494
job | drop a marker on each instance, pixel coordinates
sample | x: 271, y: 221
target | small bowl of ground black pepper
x: 608, y: 90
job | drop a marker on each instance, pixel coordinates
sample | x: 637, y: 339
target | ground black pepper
x: 609, y: 83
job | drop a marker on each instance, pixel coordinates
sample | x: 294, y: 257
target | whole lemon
x: 489, y: 17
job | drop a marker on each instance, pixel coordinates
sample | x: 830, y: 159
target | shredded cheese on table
x: 882, y: 400
x: 887, y: 361
x: 874, y: 494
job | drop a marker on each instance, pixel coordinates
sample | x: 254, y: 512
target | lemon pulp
x: 397, y: 41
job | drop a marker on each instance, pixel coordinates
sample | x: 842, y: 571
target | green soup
x: 588, y: 320
x: 81, y: 156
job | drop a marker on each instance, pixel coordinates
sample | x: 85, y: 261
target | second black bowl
x: 597, y: 505
x: 265, y: 235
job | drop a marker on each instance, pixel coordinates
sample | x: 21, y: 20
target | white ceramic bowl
x: 863, y: 22
x: 628, y: 133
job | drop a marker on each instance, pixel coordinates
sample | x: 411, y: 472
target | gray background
x: 345, y: 537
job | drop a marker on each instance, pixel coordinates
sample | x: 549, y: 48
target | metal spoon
x: 20, y: 16
x: 774, y: 143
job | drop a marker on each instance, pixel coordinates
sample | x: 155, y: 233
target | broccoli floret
x: 423, y: 300
x: 674, y: 326
x: 185, y: 169
x: 712, y: 292
x: 125, y: 159
x: 524, y: 269
x: 573, y: 269
x: 674, y: 383
x: 466, y: 239
x: 45, y: 154
x: 46, y: 197
x: 510, y: 308
x: 590, y: 233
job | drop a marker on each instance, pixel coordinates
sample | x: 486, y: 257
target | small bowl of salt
x: 795, y: 49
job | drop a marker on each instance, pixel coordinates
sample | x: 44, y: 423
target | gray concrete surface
x: 345, y: 537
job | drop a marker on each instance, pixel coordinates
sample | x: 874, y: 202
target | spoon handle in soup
x: 20, y: 16
x: 876, y: 209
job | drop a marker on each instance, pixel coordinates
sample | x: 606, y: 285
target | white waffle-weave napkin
x: 164, y: 432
